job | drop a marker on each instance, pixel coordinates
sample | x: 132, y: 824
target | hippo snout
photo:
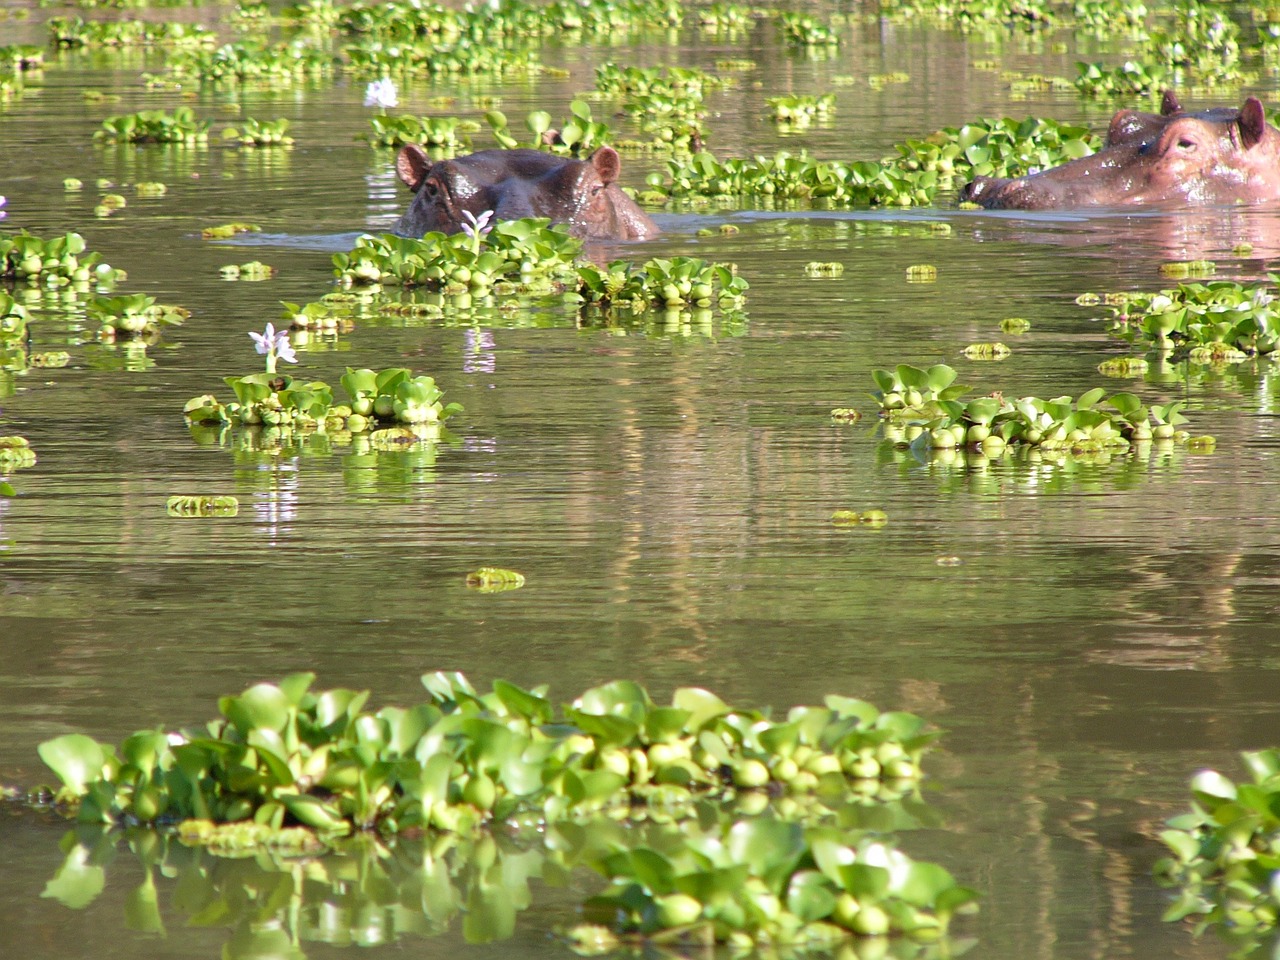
x: 980, y: 190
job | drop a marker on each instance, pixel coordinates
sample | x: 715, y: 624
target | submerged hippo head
x: 583, y: 194
x: 1216, y: 156
x: 1130, y: 125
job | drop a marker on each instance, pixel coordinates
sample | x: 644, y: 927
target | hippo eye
x: 1185, y: 144
x: 431, y: 190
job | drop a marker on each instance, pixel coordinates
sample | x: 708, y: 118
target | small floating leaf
x: 494, y: 580
x: 196, y: 506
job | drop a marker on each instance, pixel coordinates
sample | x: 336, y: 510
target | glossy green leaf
x: 75, y: 758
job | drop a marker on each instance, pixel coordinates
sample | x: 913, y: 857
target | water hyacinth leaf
x: 649, y: 868
x: 921, y: 883
x: 315, y: 813
x: 336, y: 707
x: 262, y: 706
x: 491, y: 744
x: 449, y: 687
x: 702, y: 706
x: 810, y: 896
x: 523, y: 703
x: 664, y: 724
x: 1089, y: 398
x: 1184, y: 846
x: 76, y: 759
x: 864, y: 880
x: 940, y: 377
x: 850, y: 707
x: 144, y: 749
x: 1212, y: 788
x: 712, y: 885
x: 1262, y: 764
x: 596, y: 785
x: 610, y: 705
x: 772, y: 848
x: 911, y: 376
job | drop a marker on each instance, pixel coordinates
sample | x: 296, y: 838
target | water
x: 1087, y: 636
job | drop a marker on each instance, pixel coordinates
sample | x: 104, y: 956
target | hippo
x: 1219, y: 156
x: 1130, y: 125
x: 583, y: 194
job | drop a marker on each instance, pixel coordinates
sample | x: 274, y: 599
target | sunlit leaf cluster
x: 155, y: 126
x: 78, y: 32
x: 1226, y: 850
x: 925, y: 408
x: 806, y: 30
x: 441, y: 136
x: 800, y: 110
x: 915, y: 176
x: 260, y: 133
x: 1214, y: 321
x: 133, y: 317
x: 520, y: 252
x: 281, y: 754
x: 389, y: 398
x: 279, y: 64
x: 56, y: 262
x: 673, y: 282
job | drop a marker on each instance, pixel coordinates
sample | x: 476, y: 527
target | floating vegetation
x: 923, y: 409
x: 1224, y: 851
x: 55, y: 262
x: 156, y: 126
x: 805, y: 30
x: 494, y: 580
x: 282, y: 755
x: 578, y: 136
x: 202, y: 506
x: 1123, y: 367
x: 816, y: 268
x: 798, y: 111
x: 922, y: 273
x: 1219, y: 320
x: 72, y: 184
x: 252, y: 270
x: 439, y: 135
x: 133, y: 317
x: 260, y: 133
x: 921, y: 168
x: 227, y: 230
x: 522, y: 252
x: 987, y: 351
x: 852, y: 518
x: 671, y: 282
x: 1182, y: 269
x: 13, y: 318
x: 382, y: 398
x: 15, y: 454
x: 280, y: 64
x: 77, y: 32
x: 1015, y: 325
x: 150, y: 189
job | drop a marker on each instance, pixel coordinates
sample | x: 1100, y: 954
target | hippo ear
x: 607, y: 164
x: 1253, y: 122
x: 412, y: 164
x: 1169, y: 104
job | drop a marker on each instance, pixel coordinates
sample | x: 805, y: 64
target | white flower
x: 381, y: 93
x: 275, y: 345
x: 476, y: 225
x: 265, y: 342
x: 284, y: 348
x: 3, y: 201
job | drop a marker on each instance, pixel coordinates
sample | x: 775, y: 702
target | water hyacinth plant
x: 924, y: 408
x: 1221, y: 320
x: 56, y: 262
x: 282, y: 754
x: 382, y: 94
x: 520, y: 252
x: 1225, y: 854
